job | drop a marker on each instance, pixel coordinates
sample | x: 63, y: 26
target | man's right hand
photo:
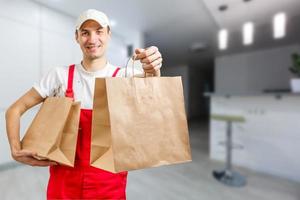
x: 12, y: 116
x: 27, y: 157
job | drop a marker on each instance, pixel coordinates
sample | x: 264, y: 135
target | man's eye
x: 84, y: 33
x: 99, y: 32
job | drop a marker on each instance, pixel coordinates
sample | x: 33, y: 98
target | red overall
x: 84, y: 181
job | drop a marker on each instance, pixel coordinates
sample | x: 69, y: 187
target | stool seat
x: 232, y: 118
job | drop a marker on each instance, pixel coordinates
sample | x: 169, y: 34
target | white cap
x: 92, y: 14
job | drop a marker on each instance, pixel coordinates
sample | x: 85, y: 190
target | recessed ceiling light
x: 223, y: 39
x: 279, y: 25
x: 223, y: 7
x: 248, y: 32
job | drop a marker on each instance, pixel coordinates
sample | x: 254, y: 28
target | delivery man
x: 77, y: 81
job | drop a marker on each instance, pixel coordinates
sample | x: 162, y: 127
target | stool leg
x: 228, y: 176
x: 228, y: 146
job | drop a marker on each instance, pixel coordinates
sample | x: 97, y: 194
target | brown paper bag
x: 53, y: 132
x: 138, y: 123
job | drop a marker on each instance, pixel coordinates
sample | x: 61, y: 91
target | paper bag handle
x: 133, y: 57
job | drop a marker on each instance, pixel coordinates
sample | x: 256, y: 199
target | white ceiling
x: 258, y: 11
x: 143, y: 15
x: 174, y: 25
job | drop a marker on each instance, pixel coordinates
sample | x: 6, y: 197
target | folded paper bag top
x: 54, y: 130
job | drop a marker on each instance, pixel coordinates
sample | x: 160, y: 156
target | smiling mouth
x: 93, y: 47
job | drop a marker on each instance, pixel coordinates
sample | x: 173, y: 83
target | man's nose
x: 93, y: 37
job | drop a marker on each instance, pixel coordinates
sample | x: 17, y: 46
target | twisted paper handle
x: 133, y: 57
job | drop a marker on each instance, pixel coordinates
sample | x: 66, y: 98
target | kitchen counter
x: 274, y: 94
x: 270, y: 136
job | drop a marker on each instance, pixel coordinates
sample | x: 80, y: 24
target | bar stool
x: 227, y: 176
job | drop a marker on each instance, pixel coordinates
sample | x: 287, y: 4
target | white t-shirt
x: 83, y: 82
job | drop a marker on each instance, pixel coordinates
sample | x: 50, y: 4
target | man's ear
x: 76, y: 36
x: 109, y: 34
x: 109, y: 31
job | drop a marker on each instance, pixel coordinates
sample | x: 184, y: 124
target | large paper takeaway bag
x: 53, y: 132
x: 138, y: 123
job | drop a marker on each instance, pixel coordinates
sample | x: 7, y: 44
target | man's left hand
x: 151, y: 60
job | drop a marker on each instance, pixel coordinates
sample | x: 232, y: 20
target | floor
x: 191, y: 181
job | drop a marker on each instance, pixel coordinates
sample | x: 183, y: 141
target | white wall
x: 254, y: 71
x: 33, y: 40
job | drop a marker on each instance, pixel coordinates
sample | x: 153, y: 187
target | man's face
x: 93, y: 39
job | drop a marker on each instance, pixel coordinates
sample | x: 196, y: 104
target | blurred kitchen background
x: 234, y: 58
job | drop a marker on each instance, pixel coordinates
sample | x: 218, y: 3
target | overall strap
x: 115, y: 72
x: 69, y: 91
